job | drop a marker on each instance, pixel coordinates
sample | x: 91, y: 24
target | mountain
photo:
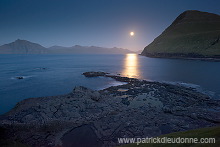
x: 86, y: 50
x: 27, y: 47
x: 193, y: 34
x: 22, y: 47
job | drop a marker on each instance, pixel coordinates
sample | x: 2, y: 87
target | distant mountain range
x: 193, y: 34
x: 27, y: 47
x: 22, y: 47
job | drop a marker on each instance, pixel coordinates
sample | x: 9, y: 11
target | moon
x: 131, y: 33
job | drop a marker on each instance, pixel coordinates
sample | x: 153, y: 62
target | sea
x: 49, y: 75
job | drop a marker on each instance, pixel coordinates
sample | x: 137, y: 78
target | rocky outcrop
x: 98, y: 118
x: 85, y: 92
x: 193, y: 34
x: 20, y: 77
x: 94, y: 74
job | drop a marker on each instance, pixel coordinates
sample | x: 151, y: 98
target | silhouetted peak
x: 20, y: 41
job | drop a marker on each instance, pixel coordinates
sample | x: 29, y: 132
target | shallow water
x: 46, y: 75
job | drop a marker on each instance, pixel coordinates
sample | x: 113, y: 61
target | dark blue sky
x: 104, y: 23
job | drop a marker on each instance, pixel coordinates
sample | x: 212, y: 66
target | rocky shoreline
x: 97, y: 118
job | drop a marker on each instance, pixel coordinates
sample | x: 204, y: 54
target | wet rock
x: 20, y: 78
x: 94, y: 74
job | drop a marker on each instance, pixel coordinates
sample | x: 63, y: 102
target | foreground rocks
x: 97, y: 118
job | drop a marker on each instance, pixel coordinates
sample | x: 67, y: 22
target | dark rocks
x: 167, y: 109
x: 81, y: 136
x: 104, y: 74
x: 87, y: 93
x: 19, y: 77
x: 94, y: 74
x: 135, y: 109
x: 125, y: 101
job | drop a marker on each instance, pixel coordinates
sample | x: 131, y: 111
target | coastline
x: 137, y: 108
x: 184, y: 57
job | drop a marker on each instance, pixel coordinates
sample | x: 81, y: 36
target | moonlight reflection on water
x: 131, y: 68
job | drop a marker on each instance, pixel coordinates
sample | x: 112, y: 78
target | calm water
x: 63, y: 72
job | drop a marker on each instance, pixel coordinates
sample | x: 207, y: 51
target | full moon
x: 131, y: 33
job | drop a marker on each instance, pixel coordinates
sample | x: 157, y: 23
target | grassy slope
x: 212, y: 132
x: 189, y: 37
